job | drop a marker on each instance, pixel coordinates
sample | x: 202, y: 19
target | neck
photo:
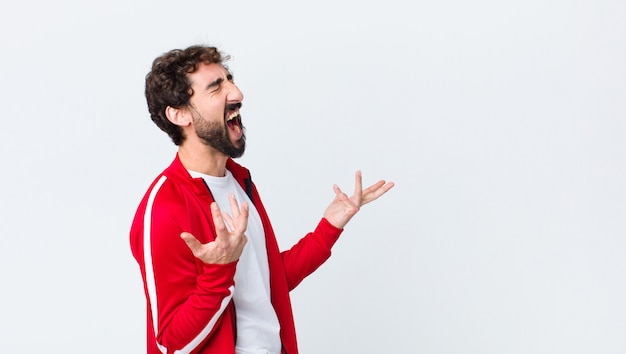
x: 202, y: 158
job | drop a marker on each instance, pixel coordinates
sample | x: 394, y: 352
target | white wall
x: 502, y: 124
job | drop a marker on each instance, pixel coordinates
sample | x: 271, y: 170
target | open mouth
x: 233, y: 118
x: 234, y: 121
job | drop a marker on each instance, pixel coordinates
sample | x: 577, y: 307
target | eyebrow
x: 219, y: 81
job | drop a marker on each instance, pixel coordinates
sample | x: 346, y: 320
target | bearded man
x: 214, y: 278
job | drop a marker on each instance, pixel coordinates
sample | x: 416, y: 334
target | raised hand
x: 343, y: 208
x: 229, y: 239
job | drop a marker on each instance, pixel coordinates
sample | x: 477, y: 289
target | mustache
x: 233, y: 106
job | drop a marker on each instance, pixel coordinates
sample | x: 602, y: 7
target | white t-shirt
x: 258, y: 330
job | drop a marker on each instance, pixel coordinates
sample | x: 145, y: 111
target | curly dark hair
x: 167, y: 83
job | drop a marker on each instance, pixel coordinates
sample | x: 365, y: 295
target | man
x: 214, y: 278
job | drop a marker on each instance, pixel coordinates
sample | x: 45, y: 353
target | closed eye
x: 217, y: 84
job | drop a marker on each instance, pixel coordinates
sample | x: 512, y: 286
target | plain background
x: 503, y: 125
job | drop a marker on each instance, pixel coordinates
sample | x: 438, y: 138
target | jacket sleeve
x: 188, y: 297
x: 309, y: 253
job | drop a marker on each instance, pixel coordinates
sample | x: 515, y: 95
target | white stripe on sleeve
x: 150, y: 282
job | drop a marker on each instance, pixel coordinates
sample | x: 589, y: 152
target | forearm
x: 188, y: 297
x: 190, y: 319
x: 310, y: 252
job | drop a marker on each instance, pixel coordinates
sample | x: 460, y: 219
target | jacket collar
x: 177, y: 172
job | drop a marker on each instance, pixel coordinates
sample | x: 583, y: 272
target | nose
x: 233, y: 106
x: 234, y: 93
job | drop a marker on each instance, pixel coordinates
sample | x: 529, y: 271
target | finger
x: 367, y: 195
x: 340, y: 195
x: 191, y: 241
x: 358, y: 188
x: 338, y: 192
x: 234, y: 206
x: 242, y: 221
x: 218, y: 221
x: 375, y: 191
x: 374, y: 187
x: 228, y: 221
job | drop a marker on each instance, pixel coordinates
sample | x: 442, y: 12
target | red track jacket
x: 189, y: 305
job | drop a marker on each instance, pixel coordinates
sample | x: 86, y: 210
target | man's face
x: 215, y: 107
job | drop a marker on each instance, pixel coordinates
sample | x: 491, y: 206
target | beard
x: 215, y: 135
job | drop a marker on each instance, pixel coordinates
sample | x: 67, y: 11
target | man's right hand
x: 228, y: 245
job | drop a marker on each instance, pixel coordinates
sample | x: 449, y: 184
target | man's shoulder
x: 163, y: 192
x: 167, y: 184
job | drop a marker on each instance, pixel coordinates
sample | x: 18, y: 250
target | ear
x: 178, y: 116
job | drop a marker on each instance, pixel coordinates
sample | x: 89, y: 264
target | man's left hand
x: 343, y: 208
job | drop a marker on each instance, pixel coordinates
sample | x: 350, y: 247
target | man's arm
x: 315, y: 248
x: 188, y: 299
